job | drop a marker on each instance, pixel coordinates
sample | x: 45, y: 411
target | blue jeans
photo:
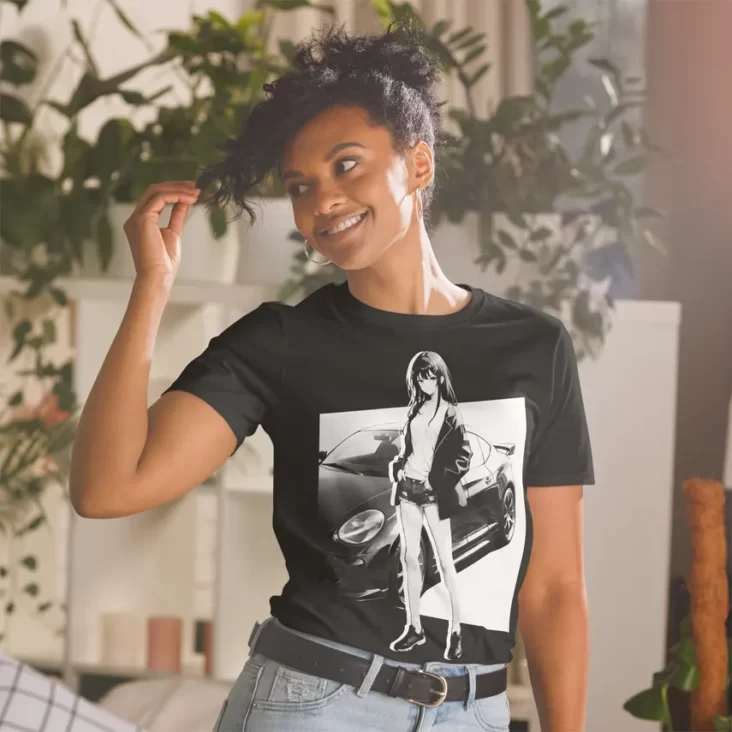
x: 269, y: 697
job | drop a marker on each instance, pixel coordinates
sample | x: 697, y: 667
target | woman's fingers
x: 178, y: 217
x: 167, y: 188
x: 156, y: 204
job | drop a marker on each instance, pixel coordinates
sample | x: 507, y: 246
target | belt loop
x: 471, y: 687
x: 368, y: 680
x: 256, y: 632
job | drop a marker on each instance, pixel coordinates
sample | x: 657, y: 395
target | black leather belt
x: 421, y: 687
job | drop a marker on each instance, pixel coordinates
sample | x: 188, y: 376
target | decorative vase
x: 164, y: 640
x: 266, y: 252
x: 121, y: 641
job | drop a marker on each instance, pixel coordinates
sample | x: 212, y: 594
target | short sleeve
x: 560, y: 453
x: 240, y: 371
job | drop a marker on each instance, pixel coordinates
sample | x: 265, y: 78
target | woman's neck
x: 407, y: 278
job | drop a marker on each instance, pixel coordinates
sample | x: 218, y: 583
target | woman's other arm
x: 553, y: 618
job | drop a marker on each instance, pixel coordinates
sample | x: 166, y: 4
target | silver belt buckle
x: 441, y: 693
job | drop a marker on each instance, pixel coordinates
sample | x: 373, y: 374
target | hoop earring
x: 309, y: 258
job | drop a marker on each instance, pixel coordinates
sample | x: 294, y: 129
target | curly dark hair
x: 390, y: 75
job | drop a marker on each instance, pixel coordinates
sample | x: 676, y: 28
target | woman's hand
x: 400, y: 475
x: 156, y: 251
x: 462, y: 498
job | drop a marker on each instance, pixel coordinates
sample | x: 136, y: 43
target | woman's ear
x: 421, y: 166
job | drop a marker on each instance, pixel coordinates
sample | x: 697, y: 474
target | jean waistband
x: 446, y: 669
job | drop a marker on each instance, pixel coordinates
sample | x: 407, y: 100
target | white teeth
x: 345, y: 224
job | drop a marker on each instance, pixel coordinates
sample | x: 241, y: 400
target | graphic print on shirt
x: 425, y: 505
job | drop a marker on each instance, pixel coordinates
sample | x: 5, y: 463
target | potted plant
x: 49, y: 215
x: 542, y: 220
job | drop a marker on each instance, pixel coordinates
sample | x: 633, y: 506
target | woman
x: 426, y: 474
x: 352, y: 132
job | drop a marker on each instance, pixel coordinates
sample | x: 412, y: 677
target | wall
x: 690, y: 114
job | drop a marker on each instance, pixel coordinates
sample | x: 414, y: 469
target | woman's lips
x: 345, y: 231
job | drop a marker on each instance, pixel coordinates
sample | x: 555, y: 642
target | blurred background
x: 586, y: 173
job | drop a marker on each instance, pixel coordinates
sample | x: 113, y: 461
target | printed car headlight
x: 362, y: 527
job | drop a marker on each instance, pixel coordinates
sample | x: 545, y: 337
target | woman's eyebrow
x: 336, y: 148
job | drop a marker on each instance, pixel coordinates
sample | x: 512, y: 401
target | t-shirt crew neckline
x: 351, y: 307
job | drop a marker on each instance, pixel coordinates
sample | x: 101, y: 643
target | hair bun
x: 398, y: 54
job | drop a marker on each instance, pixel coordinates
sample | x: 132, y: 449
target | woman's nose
x: 327, y: 197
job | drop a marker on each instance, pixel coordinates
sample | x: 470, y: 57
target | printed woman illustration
x: 426, y: 475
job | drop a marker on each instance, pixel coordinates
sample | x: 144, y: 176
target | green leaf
x: 44, y: 607
x: 10, y: 608
x: 474, y: 53
x: 79, y: 36
x: 16, y: 399
x: 442, y: 26
x: 648, y: 704
x: 3, y: 571
x: 540, y: 234
x: 288, y: 49
x: 59, y: 296
x: 135, y: 98
x: 18, y: 63
x: 30, y: 561
x: 629, y: 135
x: 526, y: 255
x: 458, y: 36
x: 16, y: 110
x: 20, y: 4
x: 49, y: 331
x: 557, y: 12
x: 124, y: 19
x: 722, y: 723
x: 685, y: 677
x: 632, y: 166
x: 474, y: 78
x: 507, y: 240
x: 31, y: 589
x: 295, y: 4
x: 646, y: 212
x: 20, y: 333
x: 610, y: 68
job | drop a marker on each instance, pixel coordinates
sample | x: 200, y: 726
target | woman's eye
x: 347, y: 160
x: 293, y: 190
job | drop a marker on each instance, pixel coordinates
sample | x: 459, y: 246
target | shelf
x: 113, y: 288
x: 132, y: 672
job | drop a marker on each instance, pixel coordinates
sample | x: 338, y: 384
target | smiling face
x: 341, y: 170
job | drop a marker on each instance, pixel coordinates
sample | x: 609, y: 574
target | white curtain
x: 505, y: 23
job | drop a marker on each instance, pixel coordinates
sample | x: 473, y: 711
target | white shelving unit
x: 179, y: 558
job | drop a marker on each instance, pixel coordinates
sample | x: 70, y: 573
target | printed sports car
x: 363, y: 531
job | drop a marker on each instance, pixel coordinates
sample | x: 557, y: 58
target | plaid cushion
x: 31, y: 702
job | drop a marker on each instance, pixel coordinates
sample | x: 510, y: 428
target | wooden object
x: 708, y: 591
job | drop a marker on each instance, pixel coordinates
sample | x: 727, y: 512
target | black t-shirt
x: 403, y: 446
